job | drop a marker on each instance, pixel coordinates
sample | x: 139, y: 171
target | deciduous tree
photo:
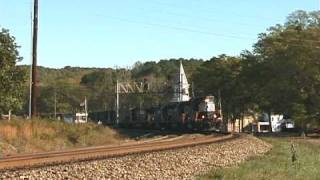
x: 12, y: 78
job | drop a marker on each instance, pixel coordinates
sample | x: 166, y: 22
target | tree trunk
x: 9, y: 115
x: 239, y: 123
x: 242, y: 118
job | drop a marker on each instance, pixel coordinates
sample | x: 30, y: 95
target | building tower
x: 180, y: 86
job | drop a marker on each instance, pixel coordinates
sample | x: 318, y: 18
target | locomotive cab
x: 205, y: 112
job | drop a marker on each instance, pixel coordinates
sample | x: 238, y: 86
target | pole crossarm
x: 127, y: 88
x: 132, y: 87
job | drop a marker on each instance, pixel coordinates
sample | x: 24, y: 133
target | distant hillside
x: 71, y: 84
x: 68, y: 74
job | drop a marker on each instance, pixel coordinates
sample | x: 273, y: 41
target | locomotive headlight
x: 202, y: 116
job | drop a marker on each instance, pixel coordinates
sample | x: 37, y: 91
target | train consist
x: 182, y: 112
x: 197, y: 113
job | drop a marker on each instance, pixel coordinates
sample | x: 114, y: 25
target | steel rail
x: 101, y: 152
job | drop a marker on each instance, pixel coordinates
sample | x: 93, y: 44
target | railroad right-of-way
x: 183, y: 163
x: 90, y: 153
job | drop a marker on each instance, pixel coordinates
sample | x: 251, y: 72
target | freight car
x: 197, y: 113
x: 105, y: 117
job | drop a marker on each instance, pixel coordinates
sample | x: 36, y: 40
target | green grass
x: 277, y: 163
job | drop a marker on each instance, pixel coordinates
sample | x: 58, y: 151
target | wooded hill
x: 72, y: 84
x: 281, y: 75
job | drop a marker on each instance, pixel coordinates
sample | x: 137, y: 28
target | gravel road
x: 174, y: 164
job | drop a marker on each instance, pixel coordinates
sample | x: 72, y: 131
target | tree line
x: 280, y: 75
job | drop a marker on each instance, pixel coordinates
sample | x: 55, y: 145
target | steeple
x: 180, y: 86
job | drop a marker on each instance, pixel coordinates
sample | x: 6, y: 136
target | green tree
x: 287, y: 68
x: 12, y: 78
x: 221, y: 76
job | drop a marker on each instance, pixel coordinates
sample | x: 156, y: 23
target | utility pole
x: 192, y: 87
x: 55, y: 103
x: 34, y: 92
x: 30, y: 74
x: 117, y: 103
x: 86, y: 108
x: 180, y: 87
x: 225, y: 124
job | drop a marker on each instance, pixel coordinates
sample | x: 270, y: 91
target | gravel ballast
x: 183, y: 163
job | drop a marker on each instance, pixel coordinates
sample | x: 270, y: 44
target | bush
x: 46, y: 135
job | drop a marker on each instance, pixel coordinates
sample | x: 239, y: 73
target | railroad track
x: 101, y: 152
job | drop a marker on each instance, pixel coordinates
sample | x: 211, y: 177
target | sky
x: 104, y: 33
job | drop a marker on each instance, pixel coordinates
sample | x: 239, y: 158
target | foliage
x: 160, y: 75
x: 289, y: 67
x: 46, y: 135
x: 102, y: 83
x: 280, y: 75
x: 11, y: 78
x: 220, y: 76
x: 70, y: 85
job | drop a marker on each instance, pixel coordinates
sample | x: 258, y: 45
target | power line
x: 200, y: 31
x: 210, y: 10
x: 174, y: 27
x: 207, y: 19
x: 186, y: 29
x: 188, y: 16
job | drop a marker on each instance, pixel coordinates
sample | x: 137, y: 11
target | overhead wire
x: 203, y: 18
x: 186, y: 16
x: 188, y: 29
x: 179, y: 28
x: 192, y: 30
x: 212, y: 9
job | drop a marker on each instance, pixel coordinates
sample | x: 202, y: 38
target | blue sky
x: 103, y: 33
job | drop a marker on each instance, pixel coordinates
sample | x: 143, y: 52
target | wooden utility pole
x: 34, y: 91
x: 117, y: 103
x: 55, y: 103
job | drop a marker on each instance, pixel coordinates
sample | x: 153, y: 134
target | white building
x: 81, y: 118
x: 180, y: 86
x: 278, y: 123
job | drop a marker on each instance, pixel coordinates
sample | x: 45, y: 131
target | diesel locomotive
x: 182, y: 112
x: 197, y: 113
